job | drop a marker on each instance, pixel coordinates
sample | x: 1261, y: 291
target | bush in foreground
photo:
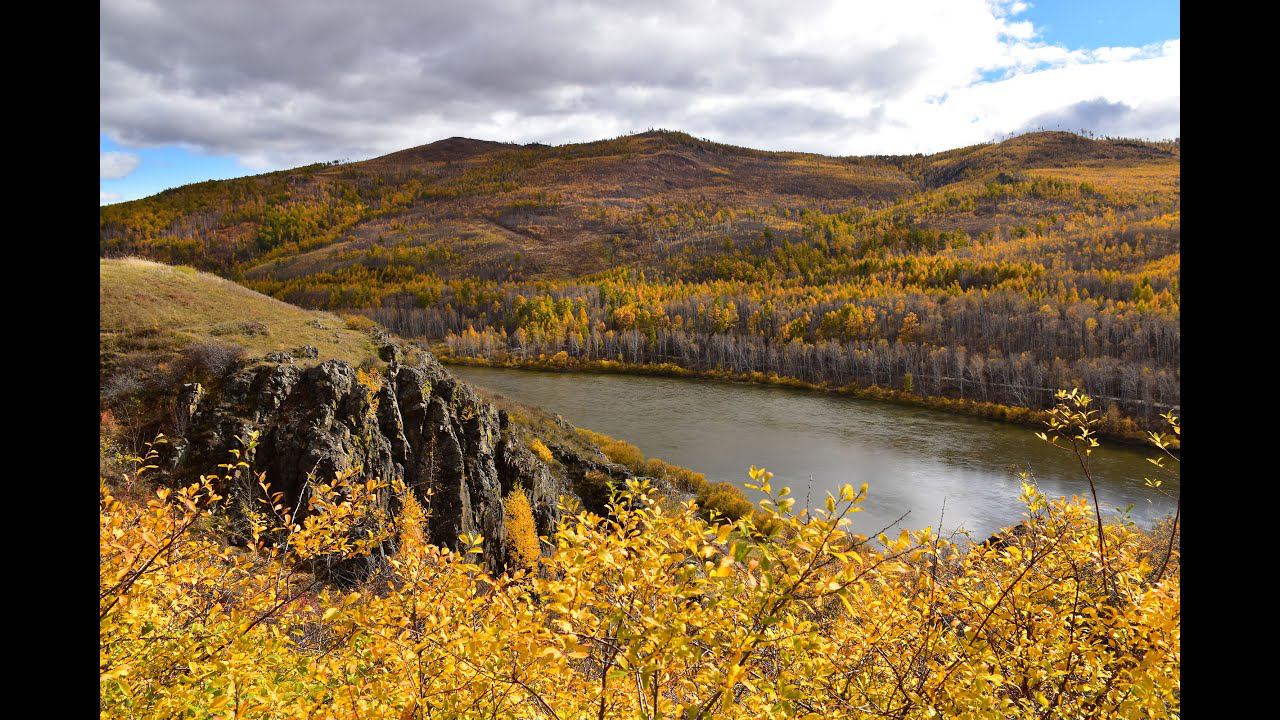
x: 652, y: 612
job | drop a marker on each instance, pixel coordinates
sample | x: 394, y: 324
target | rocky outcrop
x: 590, y: 478
x: 455, y: 451
x: 188, y: 401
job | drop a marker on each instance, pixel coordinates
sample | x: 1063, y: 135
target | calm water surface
x: 912, y: 458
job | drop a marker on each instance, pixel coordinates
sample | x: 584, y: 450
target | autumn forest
x: 989, y: 275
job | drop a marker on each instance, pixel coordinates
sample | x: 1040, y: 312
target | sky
x: 193, y: 91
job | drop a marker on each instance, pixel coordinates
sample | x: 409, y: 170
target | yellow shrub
x: 683, y: 478
x: 212, y: 631
x: 359, y: 323
x: 726, y: 499
x: 624, y: 453
x: 619, y: 451
x: 371, y: 381
x: 522, y: 531
x: 654, y: 612
x: 540, y: 449
x: 593, y: 437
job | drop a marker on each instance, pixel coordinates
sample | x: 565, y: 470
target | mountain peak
x: 446, y: 150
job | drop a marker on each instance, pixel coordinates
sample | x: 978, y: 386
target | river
x: 913, y: 459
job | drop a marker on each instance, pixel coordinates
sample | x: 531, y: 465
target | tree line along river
x: 913, y: 459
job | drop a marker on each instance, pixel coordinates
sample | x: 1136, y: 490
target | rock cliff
x: 457, y: 452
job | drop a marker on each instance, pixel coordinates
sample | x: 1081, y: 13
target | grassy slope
x: 172, y: 307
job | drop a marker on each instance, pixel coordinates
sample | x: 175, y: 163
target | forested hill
x: 995, y: 272
x: 511, y: 212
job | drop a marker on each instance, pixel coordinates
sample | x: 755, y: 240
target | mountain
x: 551, y: 211
x: 994, y: 273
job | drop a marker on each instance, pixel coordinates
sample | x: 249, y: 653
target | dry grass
x: 173, y: 307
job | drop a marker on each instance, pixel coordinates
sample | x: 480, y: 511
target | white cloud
x: 106, y: 198
x: 116, y: 165
x: 279, y: 84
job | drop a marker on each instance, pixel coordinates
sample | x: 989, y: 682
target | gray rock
x: 279, y: 356
x: 591, y: 479
x: 309, y: 352
x: 454, y: 451
x: 390, y: 353
x: 187, y: 403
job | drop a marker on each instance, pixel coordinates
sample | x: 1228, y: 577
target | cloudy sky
x: 193, y: 90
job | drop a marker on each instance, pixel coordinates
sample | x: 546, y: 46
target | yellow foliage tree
x: 522, y: 531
